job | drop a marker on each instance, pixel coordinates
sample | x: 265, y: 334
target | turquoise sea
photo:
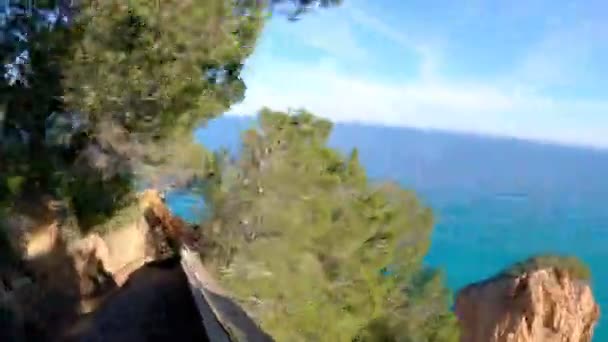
x: 478, y: 234
x: 496, y: 201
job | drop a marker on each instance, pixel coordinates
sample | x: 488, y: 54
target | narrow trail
x: 141, y: 282
x: 170, y: 299
x: 154, y: 304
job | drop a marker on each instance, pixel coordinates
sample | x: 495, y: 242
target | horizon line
x: 468, y: 133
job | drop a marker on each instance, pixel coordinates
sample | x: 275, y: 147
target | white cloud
x: 338, y: 39
x: 429, y: 53
x: 513, y: 105
x: 562, y: 57
x: 478, y: 108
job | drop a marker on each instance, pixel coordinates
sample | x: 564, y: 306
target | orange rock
x: 541, y: 306
x: 177, y: 229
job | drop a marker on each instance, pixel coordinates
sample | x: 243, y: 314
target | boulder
x: 540, y: 305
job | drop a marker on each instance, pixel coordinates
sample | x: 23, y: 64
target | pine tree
x: 316, y: 252
x: 113, y: 92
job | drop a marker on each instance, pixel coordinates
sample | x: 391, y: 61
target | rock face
x: 543, y: 305
x: 141, y: 281
x: 68, y: 279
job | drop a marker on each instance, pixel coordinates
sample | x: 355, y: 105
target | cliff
x: 72, y: 287
x: 139, y: 281
x: 541, y: 304
x: 144, y: 281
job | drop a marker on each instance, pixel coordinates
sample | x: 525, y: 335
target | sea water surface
x: 496, y: 201
x: 478, y: 234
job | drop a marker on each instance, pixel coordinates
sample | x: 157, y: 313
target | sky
x: 533, y: 69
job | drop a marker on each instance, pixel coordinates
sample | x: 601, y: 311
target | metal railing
x: 223, y: 319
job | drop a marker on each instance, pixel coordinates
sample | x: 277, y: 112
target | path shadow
x: 50, y: 299
x: 154, y: 304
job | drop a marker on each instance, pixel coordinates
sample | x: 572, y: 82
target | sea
x: 496, y: 200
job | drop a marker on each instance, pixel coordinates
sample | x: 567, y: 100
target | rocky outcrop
x: 142, y: 280
x: 60, y: 279
x: 541, y: 305
x: 169, y: 297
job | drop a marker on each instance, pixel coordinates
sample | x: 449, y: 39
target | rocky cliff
x: 539, y: 305
x: 59, y: 281
x: 133, y: 284
x: 140, y: 281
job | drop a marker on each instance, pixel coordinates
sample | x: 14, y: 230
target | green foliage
x: 15, y: 184
x: 302, y: 6
x: 180, y: 161
x: 96, y: 200
x: 298, y: 233
x: 156, y: 67
x: 135, y: 77
x: 571, y: 265
x: 120, y: 218
x: 301, y: 239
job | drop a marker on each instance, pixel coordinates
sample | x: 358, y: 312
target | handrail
x: 213, y: 326
x: 223, y: 319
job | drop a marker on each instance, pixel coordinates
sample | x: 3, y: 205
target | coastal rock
x: 125, y: 249
x: 542, y: 305
x: 83, y: 271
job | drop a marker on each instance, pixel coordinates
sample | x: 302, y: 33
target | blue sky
x: 532, y: 69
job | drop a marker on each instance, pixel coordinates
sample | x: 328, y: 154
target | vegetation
x: 103, y: 101
x: 106, y: 100
x: 109, y: 92
x: 313, y: 250
x: 570, y: 265
x: 108, y: 96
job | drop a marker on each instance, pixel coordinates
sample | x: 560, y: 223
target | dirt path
x: 171, y: 300
x: 155, y: 304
